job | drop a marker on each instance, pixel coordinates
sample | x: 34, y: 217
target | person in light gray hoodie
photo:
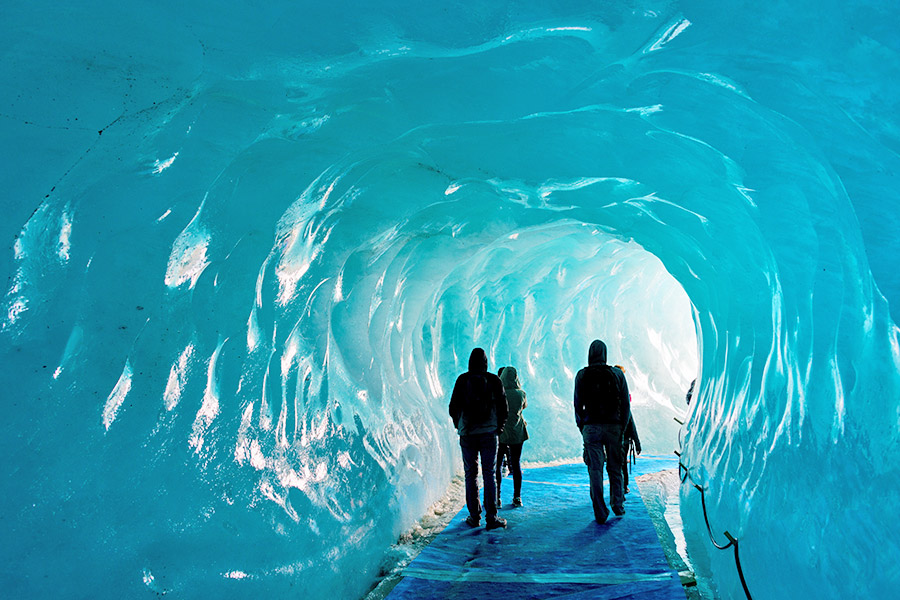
x: 514, y: 434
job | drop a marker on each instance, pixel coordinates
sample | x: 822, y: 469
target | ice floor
x: 551, y: 548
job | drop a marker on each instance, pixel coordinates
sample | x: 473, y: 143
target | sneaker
x: 472, y: 521
x: 619, y: 511
x: 495, y: 523
x: 517, y: 502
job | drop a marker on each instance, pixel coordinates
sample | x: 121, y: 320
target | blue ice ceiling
x: 248, y: 247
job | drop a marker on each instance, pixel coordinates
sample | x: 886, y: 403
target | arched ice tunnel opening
x: 245, y: 265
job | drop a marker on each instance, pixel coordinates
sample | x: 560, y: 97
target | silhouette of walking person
x: 631, y: 442
x: 478, y: 409
x: 601, y: 413
x: 514, y: 434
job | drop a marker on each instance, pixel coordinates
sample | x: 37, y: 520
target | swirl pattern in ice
x: 266, y: 239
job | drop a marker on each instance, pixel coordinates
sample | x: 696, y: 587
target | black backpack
x: 600, y: 392
x: 478, y: 398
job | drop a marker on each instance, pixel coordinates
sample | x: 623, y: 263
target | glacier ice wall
x: 248, y: 248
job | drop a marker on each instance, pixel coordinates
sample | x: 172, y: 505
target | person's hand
x: 637, y: 448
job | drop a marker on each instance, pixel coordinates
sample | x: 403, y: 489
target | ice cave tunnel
x: 249, y: 245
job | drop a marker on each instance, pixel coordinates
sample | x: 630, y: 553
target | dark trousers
x: 603, y: 443
x: 485, y: 445
x: 513, y: 454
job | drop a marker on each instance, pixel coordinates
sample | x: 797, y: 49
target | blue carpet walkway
x: 552, y: 547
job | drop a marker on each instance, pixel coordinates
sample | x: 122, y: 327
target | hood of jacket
x: 478, y: 361
x: 510, y: 378
x: 597, y: 353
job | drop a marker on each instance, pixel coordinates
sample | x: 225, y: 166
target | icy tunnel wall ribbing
x: 232, y: 321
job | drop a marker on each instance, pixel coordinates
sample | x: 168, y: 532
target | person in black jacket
x: 630, y: 440
x: 479, y: 410
x: 601, y: 413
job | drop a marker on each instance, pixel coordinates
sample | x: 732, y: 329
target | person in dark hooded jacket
x: 478, y: 409
x: 514, y: 434
x: 632, y: 444
x: 601, y: 413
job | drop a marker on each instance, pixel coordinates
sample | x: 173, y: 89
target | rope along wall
x: 732, y: 541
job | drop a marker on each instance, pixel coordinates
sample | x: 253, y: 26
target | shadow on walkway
x: 551, y: 548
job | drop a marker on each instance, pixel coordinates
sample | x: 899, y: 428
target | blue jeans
x: 604, y: 442
x: 484, y: 444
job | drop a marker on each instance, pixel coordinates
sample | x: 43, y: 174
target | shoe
x: 619, y: 511
x: 495, y: 523
x: 472, y: 521
x: 517, y: 502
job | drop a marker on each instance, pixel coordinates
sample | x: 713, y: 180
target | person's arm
x: 580, y: 415
x: 456, y: 400
x: 631, y: 433
x: 629, y: 429
x: 502, y: 406
x: 624, y: 403
x: 524, y: 400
